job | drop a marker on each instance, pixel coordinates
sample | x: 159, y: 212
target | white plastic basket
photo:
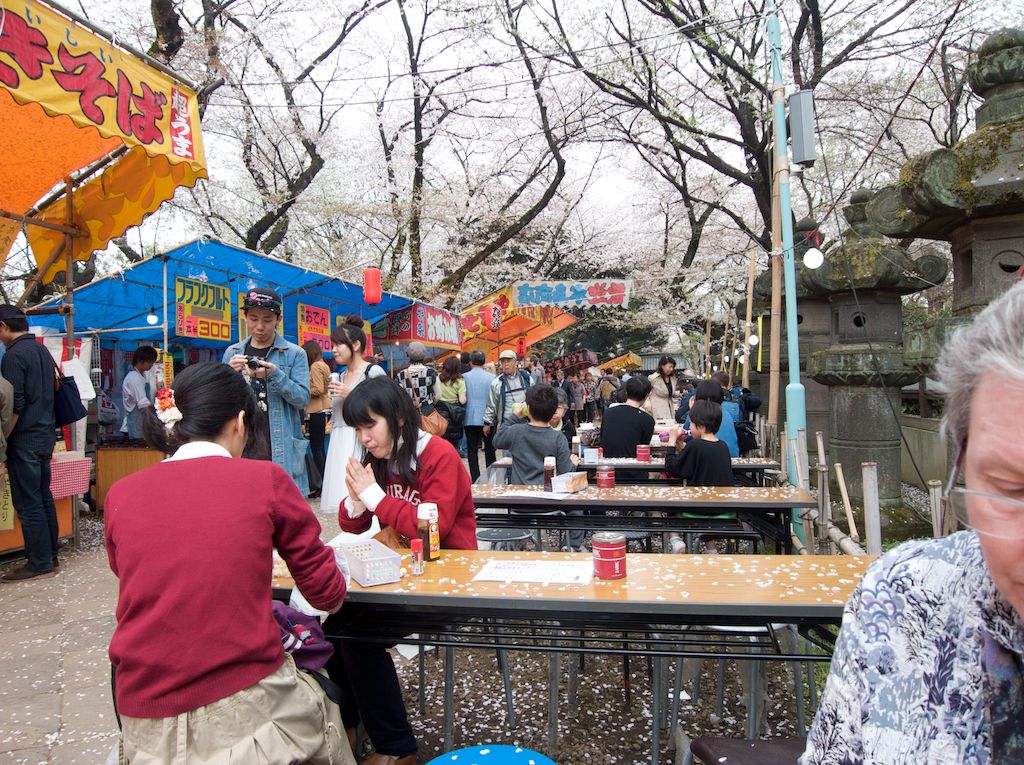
x: 371, y: 562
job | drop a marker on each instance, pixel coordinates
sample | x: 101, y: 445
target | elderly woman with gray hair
x: 929, y: 664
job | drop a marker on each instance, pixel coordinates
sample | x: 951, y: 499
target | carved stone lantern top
x: 982, y: 175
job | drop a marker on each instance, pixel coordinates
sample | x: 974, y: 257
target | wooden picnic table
x: 755, y: 467
x: 655, y: 610
x: 646, y: 507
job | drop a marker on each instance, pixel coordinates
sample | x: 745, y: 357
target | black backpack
x: 746, y: 433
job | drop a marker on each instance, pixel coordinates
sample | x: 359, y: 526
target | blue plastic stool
x: 492, y: 754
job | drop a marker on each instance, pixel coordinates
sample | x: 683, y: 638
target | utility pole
x: 751, y: 272
x: 796, y: 407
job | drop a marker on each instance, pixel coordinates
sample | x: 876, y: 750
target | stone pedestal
x: 863, y: 427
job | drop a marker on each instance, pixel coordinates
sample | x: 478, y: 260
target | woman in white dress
x: 349, y: 347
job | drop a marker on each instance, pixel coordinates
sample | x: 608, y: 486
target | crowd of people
x: 928, y: 660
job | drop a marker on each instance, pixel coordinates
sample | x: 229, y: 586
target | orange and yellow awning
x: 68, y: 100
x: 493, y: 324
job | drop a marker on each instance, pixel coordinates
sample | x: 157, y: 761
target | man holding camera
x: 279, y: 375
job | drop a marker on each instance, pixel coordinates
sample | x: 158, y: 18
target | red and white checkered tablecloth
x: 69, y: 477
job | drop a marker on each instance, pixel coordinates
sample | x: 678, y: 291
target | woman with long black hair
x: 403, y: 468
x: 349, y: 345
x: 200, y: 672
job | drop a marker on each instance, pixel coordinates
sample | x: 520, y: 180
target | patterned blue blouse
x: 907, y: 684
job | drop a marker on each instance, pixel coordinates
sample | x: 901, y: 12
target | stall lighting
x: 754, y: 340
x: 813, y: 258
x: 152, y: 318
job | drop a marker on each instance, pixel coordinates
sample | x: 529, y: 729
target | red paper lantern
x: 371, y: 286
x: 521, y: 347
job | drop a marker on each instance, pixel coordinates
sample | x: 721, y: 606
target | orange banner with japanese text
x: 48, y: 59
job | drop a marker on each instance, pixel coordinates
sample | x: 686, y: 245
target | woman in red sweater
x: 196, y: 650
x: 404, y: 467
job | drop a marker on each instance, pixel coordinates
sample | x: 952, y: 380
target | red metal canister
x: 609, y: 555
x: 606, y: 478
x: 643, y: 453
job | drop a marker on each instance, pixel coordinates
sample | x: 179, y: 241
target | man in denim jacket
x: 279, y: 375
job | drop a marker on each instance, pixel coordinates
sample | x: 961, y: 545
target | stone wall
x: 929, y: 449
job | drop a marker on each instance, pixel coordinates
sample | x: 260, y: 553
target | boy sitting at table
x: 528, y: 443
x: 703, y: 460
x: 627, y: 426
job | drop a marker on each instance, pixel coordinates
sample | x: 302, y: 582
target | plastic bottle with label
x: 428, y: 513
x: 549, y: 472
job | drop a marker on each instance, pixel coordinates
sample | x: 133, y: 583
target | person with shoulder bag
x: 422, y: 385
x: 452, y: 402
x: 200, y: 670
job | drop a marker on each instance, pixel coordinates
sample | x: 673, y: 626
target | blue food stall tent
x: 135, y: 304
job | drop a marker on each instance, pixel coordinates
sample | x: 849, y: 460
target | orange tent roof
x: 492, y: 324
x: 71, y: 101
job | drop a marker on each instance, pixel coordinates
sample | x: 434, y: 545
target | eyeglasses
x: 994, y: 515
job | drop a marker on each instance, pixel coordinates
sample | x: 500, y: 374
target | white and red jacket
x: 441, y: 478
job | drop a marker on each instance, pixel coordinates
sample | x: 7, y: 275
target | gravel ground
x: 622, y: 731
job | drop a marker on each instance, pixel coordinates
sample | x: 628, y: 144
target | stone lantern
x: 970, y: 195
x: 863, y: 365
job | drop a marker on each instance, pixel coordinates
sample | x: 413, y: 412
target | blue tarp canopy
x: 118, y: 305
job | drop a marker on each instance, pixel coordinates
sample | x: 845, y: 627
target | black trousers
x: 371, y: 693
x: 474, y: 436
x: 317, y: 426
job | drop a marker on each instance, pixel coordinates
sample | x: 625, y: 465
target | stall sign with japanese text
x: 596, y: 293
x: 202, y: 310
x: 315, y: 325
x: 486, y: 315
x: 46, y: 58
x: 6, y: 505
x: 572, y: 361
x: 165, y: 363
x: 427, y: 324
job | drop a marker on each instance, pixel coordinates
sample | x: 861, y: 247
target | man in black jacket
x: 30, y: 370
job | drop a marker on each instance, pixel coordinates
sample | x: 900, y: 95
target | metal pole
x: 163, y: 294
x: 796, y: 408
x: 69, y: 282
x: 725, y: 342
x: 872, y: 509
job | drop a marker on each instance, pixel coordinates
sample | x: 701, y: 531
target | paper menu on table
x: 537, y: 571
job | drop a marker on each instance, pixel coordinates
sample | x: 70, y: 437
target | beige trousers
x: 285, y: 718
